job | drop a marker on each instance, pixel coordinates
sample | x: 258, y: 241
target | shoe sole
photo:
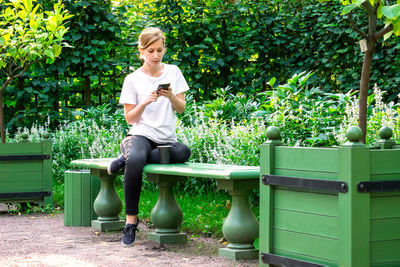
x: 127, y: 245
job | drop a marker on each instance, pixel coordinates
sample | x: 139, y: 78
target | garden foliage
x: 238, y: 46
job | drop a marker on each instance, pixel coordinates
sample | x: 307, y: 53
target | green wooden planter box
x: 25, y: 173
x: 80, y: 190
x: 349, y: 218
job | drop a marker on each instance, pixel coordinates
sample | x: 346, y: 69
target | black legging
x: 139, y: 151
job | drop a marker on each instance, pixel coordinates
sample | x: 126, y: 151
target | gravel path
x: 43, y: 240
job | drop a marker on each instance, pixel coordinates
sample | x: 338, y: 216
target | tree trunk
x: 2, y: 128
x: 365, y: 75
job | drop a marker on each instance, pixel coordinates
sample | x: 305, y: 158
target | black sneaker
x: 116, y: 165
x: 128, y: 239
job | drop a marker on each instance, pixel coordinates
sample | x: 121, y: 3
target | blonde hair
x: 149, y: 36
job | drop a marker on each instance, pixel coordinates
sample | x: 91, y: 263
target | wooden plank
x: 21, y: 149
x: 386, y: 264
x: 306, y: 158
x: 385, y: 229
x: 17, y: 182
x: 20, y: 166
x: 308, y: 245
x: 68, y: 198
x: 354, y: 208
x: 316, y: 203
x: 324, y: 262
x: 307, y: 174
x: 385, y: 251
x: 385, y: 161
x: 312, y: 224
x: 85, y: 200
x: 385, y: 176
x: 385, y: 207
x: 48, y: 173
x: 266, y: 236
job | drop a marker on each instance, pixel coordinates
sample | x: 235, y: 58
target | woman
x: 151, y: 113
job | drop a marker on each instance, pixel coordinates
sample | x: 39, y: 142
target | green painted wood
x: 203, y: 170
x: 21, y: 166
x: 80, y: 191
x: 307, y: 174
x: 27, y: 175
x: 305, y: 158
x: 312, y: 224
x: 386, y: 264
x: 307, y: 245
x: 312, y: 259
x: 47, y: 173
x: 21, y: 182
x: 385, y: 251
x: 385, y: 229
x: 21, y: 149
x: 308, y: 202
x: 354, y: 208
x: 385, y: 207
x: 385, y: 161
x: 267, y: 165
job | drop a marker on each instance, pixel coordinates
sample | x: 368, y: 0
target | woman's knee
x: 181, y: 153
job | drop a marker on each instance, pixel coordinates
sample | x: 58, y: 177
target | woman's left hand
x: 166, y: 93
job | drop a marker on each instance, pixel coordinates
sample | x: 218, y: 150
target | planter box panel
x: 21, y: 148
x: 323, y: 262
x: 386, y: 264
x: 18, y: 166
x: 385, y: 162
x: 385, y: 251
x: 307, y: 202
x: 385, y: 207
x: 385, y: 229
x: 306, y: 159
x: 307, y: 245
x: 306, y: 223
x: 17, y: 182
x: 307, y: 174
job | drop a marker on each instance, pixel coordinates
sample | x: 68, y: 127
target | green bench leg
x: 107, y: 204
x: 166, y: 215
x: 241, y: 227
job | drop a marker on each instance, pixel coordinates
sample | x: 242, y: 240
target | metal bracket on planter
x: 378, y: 186
x: 25, y: 195
x: 287, y: 262
x: 24, y: 157
x: 305, y: 183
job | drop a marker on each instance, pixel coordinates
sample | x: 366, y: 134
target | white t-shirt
x: 158, y: 119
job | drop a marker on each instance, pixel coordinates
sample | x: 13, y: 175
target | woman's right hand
x: 152, y: 97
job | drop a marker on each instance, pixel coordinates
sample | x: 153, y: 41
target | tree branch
x: 382, y: 32
x: 354, y: 26
x: 368, y: 7
x: 27, y: 66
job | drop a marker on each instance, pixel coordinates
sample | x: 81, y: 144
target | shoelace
x: 131, y: 228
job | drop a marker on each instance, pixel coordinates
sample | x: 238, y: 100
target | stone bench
x: 240, y: 228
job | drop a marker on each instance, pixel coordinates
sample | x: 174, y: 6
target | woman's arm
x: 177, y: 101
x: 134, y: 112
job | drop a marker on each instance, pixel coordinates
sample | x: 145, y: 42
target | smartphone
x: 162, y: 86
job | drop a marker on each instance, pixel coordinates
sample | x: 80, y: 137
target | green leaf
x: 49, y: 54
x: 272, y: 82
x: 396, y: 27
x: 57, y: 50
x: 391, y: 12
x: 352, y: 6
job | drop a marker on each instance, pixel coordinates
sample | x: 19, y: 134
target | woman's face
x: 153, y: 54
